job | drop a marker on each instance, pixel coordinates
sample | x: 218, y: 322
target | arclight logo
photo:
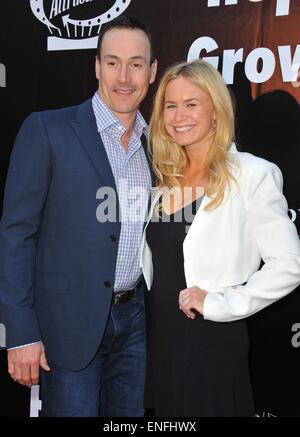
x: 71, y: 25
x: 282, y: 6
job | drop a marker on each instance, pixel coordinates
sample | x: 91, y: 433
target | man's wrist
x: 23, y: 345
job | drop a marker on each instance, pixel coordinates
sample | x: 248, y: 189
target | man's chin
x: 124, y: 109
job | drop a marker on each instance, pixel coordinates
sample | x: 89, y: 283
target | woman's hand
x: 192, y: 298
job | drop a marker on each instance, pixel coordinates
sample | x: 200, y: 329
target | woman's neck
x: 196, y: 159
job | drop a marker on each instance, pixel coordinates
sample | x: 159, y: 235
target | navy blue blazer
x: 57, y: 262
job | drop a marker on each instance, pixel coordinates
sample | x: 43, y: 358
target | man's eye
x: 137, y: 65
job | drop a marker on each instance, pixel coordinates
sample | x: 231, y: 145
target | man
x: 70, y: 285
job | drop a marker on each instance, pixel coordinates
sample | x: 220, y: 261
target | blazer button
x: 107, y: 284
x: 113, y: 237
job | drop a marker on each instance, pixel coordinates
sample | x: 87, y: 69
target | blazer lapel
x: 86, y: 130
x: 145, y: 146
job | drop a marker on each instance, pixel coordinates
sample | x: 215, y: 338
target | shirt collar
x: 105, y: 118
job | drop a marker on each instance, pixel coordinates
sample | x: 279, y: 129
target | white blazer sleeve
x: 278, y: 243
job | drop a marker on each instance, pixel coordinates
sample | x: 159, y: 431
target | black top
x: 165, y: 238
x: 194, y: 367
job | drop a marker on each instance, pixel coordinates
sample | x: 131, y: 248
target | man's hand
x: 24, y: 363
x: 192, y: 298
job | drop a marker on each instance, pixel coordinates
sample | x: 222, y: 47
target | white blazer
x: 224, y: 247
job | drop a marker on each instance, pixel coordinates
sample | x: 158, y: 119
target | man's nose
x: 123, y: 74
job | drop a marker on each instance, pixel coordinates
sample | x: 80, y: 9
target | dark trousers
x: 113, y: 382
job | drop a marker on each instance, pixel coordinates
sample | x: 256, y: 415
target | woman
x: 204, y: 272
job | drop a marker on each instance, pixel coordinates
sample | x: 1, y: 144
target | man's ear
x: 97, y: 67
x: 153, y: 71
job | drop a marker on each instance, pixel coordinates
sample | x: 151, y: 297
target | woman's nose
x: 179, y: 114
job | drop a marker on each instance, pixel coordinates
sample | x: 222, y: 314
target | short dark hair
x: 124, y: 22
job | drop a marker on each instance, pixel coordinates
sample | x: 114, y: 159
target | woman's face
x: 188, y: 113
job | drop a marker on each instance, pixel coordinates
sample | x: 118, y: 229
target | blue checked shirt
x: 130, y: 170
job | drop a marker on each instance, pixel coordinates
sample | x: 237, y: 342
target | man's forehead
x: 120, y: 37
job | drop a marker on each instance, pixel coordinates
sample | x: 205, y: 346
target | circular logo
x: 77, y: 19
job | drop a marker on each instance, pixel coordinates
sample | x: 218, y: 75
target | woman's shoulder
x: 249, y: 164
x: 255, y: 173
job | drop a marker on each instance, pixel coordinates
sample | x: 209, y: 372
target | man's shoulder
x: 64, y: 114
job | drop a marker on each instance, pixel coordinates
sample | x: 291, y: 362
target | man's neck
x: 128, y: 121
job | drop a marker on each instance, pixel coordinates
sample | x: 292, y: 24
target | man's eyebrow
x: 110, y: 56
x: 140, y: 57
x: 137, y: 57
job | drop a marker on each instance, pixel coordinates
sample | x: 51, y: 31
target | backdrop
x: 47, y: 51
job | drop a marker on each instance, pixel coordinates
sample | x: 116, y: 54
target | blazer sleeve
x: 278, y: 243
x: 24, y: 198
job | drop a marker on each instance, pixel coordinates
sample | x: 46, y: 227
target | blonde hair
x: 169, y: 158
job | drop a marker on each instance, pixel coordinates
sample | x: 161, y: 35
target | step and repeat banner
x: 47, y: 52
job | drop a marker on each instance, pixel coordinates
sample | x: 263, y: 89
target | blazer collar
x: 86, y: 130
x: 85, y: 127
x: 144, y: 141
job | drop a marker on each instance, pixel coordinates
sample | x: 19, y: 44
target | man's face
x: 124, y: 70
